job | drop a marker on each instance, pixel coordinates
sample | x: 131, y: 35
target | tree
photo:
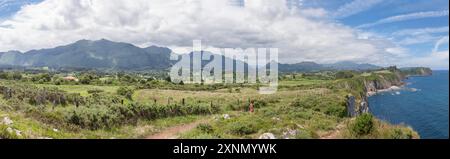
x: 168, y: 79
x: 85, y: 80
x: 42, y: 78
x: 344, y: 74
x: 17, y: 76
x: 126, y: 92
x: 4, y: 75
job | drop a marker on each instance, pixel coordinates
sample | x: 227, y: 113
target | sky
x: 383, y: 32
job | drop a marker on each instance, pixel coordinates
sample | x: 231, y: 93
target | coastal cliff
x: 370, y: 84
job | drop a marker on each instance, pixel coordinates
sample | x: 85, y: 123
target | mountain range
x: 105, y: 54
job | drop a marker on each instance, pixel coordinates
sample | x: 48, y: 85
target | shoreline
x: 390, y: 89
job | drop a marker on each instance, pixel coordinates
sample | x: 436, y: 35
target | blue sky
x: 10, y: 7
x: 416, y: 31
x: 388, y: 8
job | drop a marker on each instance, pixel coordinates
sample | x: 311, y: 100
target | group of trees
x: 36, y: 96
x: 85, y: 78
x: 326, y: 75
x: 11, y: 75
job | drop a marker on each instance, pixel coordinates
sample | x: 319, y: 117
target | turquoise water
x: 425, y: 109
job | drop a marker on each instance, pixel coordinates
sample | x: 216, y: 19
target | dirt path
x: 334, y: 134
x: 172, y: 132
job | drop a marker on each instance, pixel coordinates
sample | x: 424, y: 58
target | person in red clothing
x: 251, y: 107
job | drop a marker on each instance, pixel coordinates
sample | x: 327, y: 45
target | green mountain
x: 109, y: 55
x: 101, y: 54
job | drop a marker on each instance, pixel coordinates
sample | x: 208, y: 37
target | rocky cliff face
x: 417, y: 71
x: 357, y: 105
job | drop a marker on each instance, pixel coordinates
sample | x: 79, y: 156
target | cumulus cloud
x: 405, y: 17
x: 175, y: 23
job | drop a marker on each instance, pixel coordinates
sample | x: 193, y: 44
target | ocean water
x: 423, y: 104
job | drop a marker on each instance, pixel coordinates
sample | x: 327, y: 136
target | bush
x: 17, y: 76
x: 4, y: 75
x: 242, y: 128
x: 126, y: 92
x: 4, y: 134
x: 245, y: 105
x: 344, y: 74
x: 326, y: 104
x: 95, y: 91
x: 259, y: 103
x: 400, y: 134
x: 95, y: 117
x: 336, y: 110
x: 42, y: 78
x: 363, y: 124
x: 100, y: 116
x: 205, y: 128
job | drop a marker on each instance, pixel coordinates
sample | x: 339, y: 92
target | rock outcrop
x: 6, y: 121
x: 267, y: 136
x: 357, y: 105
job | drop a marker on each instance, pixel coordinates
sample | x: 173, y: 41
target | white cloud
x: 405, y: 17
x: 421, y: 31
x: 5, y: 3
x: 355, y: 7
x: 443, y: 40
x: 420, y: 39
x: 398, y: 51
x: 313, y: 12
x: 175, y: 23
x: 436, y: 60
x: 419, y: 35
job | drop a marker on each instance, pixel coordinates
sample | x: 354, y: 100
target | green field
x: 303, y: 108
x: 81, y: 89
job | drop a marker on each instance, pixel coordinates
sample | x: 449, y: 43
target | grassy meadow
x: 135, y: 106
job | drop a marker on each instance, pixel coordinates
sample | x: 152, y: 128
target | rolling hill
x: 109, y: 55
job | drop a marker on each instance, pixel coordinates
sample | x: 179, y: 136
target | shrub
x: 100, y: 116
x: 242, y: 128
x: 322, y: 103
x: 344, y: 74
x: 4, y: 75
x: 363, y: 124
x: 95, y: 91
x: 259, y: 103
x: 336, y: 110
x: 398, y: 133
x: 42, y: 78
x: 126, y: 92
x: 205, y: 128
x: 16, y: 76
x: 94, y: 117
x: 58, y: 81
x: 5, y: 134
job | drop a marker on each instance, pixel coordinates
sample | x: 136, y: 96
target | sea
x: 423, y: 104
